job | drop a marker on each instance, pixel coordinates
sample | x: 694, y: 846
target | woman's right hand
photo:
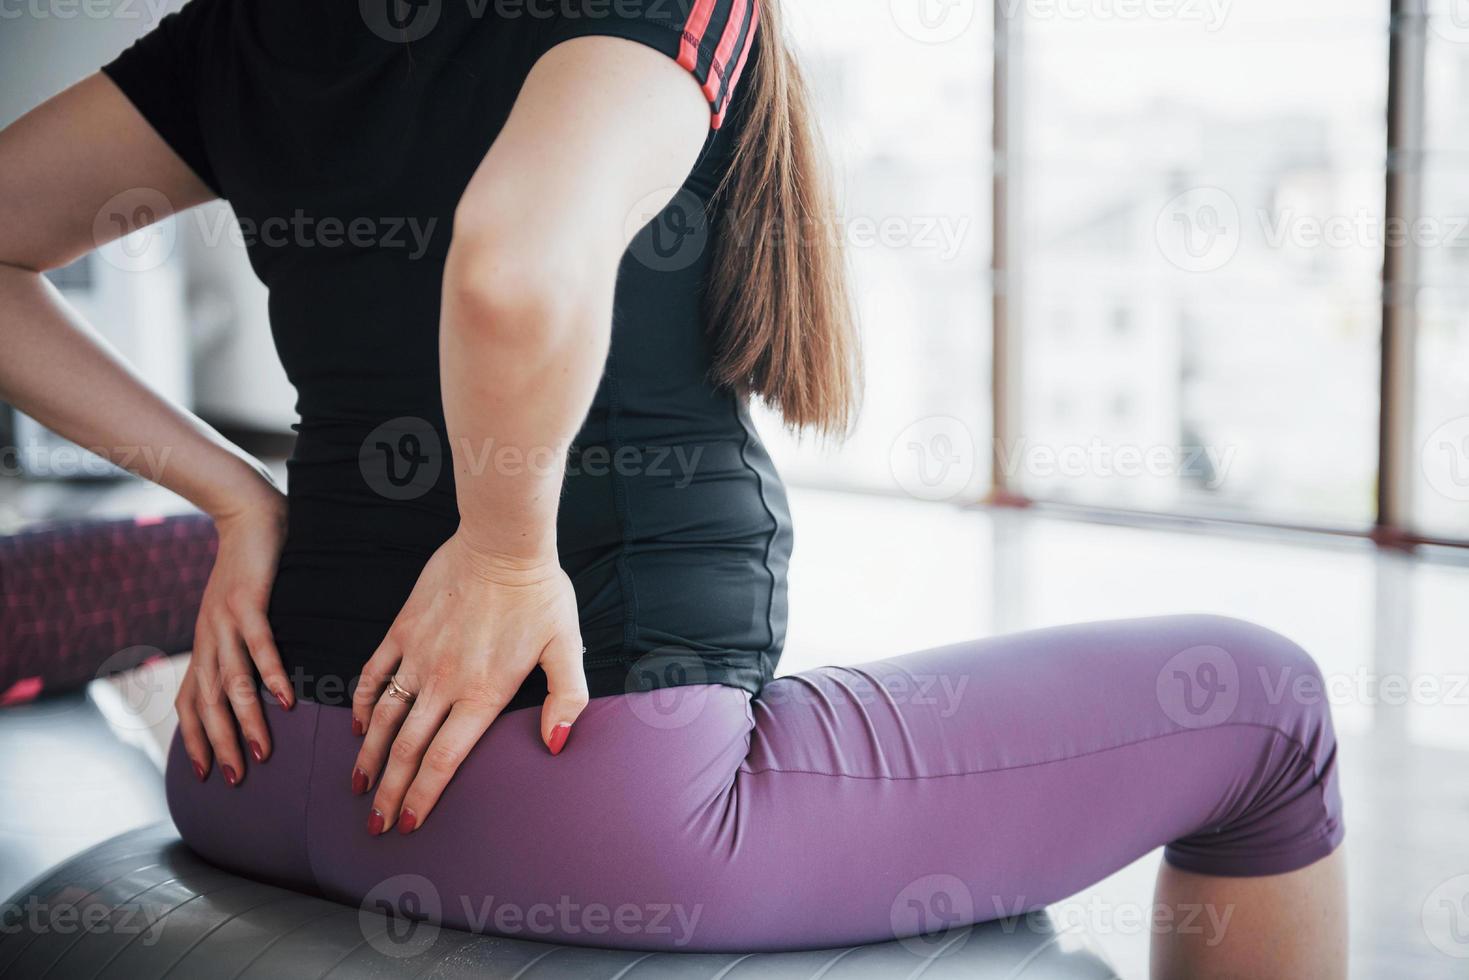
x: 232, y: 641
x: 107, y: 172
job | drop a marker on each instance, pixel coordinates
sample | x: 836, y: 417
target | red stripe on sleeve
x: 693, y: 34
x: 739, y: 70
x: 724, y: 54
x: 715, y: 79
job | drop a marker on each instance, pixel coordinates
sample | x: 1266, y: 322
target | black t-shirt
x: 343, y: 134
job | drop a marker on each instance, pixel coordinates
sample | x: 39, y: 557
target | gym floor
x: 874, y: 576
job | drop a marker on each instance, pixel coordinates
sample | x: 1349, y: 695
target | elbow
x: 520, y: 295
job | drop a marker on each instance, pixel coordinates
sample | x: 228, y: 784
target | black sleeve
x: 159, y: 74
x: 711, y: 38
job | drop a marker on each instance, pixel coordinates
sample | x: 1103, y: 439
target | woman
x: 527, y: 500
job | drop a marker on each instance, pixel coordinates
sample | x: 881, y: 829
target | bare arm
x: 72, y: 174
x: 62, y: 167
x: 528, y: 290
x: 527, y: 314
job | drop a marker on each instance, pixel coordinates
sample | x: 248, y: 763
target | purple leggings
x: 843, y: 805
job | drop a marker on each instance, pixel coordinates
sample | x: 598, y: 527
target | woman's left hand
x: 472, y: 630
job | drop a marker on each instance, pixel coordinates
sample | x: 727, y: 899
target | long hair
x: 778, y: 296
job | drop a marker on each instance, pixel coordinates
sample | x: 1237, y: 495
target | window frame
x: 1394, y: 522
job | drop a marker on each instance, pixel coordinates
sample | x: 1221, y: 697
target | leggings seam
x: 1044, y: 762
x: 306, y: 809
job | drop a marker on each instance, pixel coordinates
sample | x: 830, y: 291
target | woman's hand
x: 473, y: 629
x: 232, y: 640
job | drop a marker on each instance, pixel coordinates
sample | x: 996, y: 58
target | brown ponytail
x: 778, y: 296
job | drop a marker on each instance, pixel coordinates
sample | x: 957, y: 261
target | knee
x: 1289, y: 811
x: 1258, y: 646
x: 1278, y: 683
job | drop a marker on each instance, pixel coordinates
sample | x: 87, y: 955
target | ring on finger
x: 396, y: 690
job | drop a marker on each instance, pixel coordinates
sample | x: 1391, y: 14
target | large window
x: 1440, y: 504
x: 905, y: 102
x: 1201, y: 201
x: 1192, y: 254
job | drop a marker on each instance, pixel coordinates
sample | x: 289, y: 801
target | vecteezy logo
x: 668, y: 688
x: 933, y: 21
x: 934, y: 458
x: 1199, y: 687
x: 400, y: 917
x: 1199, y: 230
x: 130, y: 231
x: 401, y: 21
x: 402, y: 458
x: 1445, y: 459
x: 1445, y: 917
x: 929, y: 913
x: 148, y: 694
x: 668, y: 238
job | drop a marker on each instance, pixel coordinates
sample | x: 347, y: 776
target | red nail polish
x: 558, y: 737
x: 356, y: 728
x: 407, y: 820
x: 285, y: 702
x: 229, y: 774
x: 359, y: 782
x: 256, y: 751
x: 199, y: 770
x: 375, y: 823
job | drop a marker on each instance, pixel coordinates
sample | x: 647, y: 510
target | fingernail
x: 285, y: 701
x: 199, y: 770
x: 359, y: 782
x: 356, y: 728
x: 230, y: 775
x: 558, y: 737
x: 375, y: 823
x: 256, y: 751
x: 407, y: 820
